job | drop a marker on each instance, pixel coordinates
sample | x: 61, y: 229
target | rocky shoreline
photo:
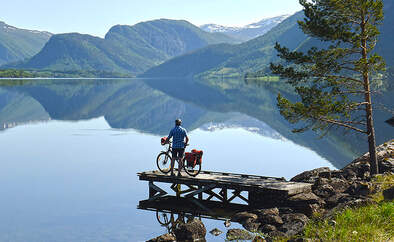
x: 332, y: 190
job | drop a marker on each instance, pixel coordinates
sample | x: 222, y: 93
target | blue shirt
x: 178, y: 133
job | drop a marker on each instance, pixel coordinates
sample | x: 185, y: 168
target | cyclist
x: 178, y: 133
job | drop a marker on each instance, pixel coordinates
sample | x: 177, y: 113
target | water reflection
x: 151, y: 106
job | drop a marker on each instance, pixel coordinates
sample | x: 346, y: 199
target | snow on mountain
x: 246, y: 32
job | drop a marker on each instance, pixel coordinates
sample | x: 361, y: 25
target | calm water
x: 70, y: 151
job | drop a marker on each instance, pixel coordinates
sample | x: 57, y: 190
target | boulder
x: 388, y: 194
x: 238, y: 234
x: 215, y: 232
x: 385, y: 157
x: 269, y: 216
x: 243, y: 216
x: 293, y: 223
x: 267, y: 228
x: 310, y: 176
x: 306, y: 203
x: 339, y: 185
x: 250, y: 224
x: 336, y: 199
x: 276, y: 233
x: 359, y: 189
x: 194, y: 229
x: 258, y: 239
x: 265, y: 212
x: 323, y: 190
x: 304, y: 198
x: 164, y: 238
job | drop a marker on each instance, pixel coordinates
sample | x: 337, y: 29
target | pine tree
x: 334, y: 83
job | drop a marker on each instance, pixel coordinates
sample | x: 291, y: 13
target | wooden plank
x: 231, y: 181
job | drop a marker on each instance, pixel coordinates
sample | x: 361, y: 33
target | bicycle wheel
x: 190, y: 170
x: 163, y: 162
x: 164, y: 218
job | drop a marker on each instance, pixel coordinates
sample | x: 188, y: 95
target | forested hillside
x: 125, y: 49
x: 256, y: 54
x: 18, y: 44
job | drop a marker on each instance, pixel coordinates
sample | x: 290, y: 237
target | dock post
x: 178, y: 190
x: 200, y: 194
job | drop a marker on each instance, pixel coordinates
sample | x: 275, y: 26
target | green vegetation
x: 11, y: 73
x: 256, y: 54
x: 370, y: 223
x: 125, y: 49
x: 373, y: 222
x: 19, y: 44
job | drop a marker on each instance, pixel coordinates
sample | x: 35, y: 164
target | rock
x: 339, y: 185
x: 301, y: 240
x: 267, y: 228
x: 265, y: 212
x: 388, y: 194
x: 269, y: 216
x: 250, y: 224
x: 238, y: 234
x: 272, y: 219
x: 306, y: 203
x: 324, y: 190
x: 385, y: 157
x: 359, y: 189
x: 293, y: 223
x: 356, y: 202
x: 215, y: 232
x: 227, y: 223
x: 386, y: 165
x: 310, y: 176
x: 304, y: 198
x: 243, y: 216
x: 276, y: 234
x: 336, y: 199
x: 258, y: 239
x: 192, y: 230
x: 283, y: 210
x: 164, y: 238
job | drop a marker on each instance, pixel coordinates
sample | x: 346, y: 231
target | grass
x: 368, y: 223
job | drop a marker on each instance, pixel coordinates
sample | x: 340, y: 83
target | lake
x: 71, y: 151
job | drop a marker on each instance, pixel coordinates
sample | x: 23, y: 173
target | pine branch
x: 339, y: 123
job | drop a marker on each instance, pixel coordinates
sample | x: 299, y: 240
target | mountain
x: 125, y: 49
x: 18, y: 44
x: 253, y: 55
x: 256, y: 54
x: 246, y: 32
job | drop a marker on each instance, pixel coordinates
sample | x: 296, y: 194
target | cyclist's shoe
x: 179, y: 174
x: 172, y: 174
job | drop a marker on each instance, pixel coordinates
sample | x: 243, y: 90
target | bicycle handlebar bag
x: 163, y: 141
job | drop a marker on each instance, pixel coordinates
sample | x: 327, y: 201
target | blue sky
x: 97, y: 16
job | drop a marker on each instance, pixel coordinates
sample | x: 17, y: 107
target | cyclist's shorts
x: 177, y: 152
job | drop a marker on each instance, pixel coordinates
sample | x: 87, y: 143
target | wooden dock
x: 257, y: 191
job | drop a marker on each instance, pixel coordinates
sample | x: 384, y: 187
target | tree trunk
x: 368, y: 107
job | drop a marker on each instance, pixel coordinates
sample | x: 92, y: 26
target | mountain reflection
x: 151, y: 106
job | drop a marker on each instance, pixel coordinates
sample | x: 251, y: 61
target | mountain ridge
x: 249, y: 31
x: 124, y: 49
x: 17, y: 44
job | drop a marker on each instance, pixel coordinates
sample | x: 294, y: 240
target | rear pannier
x: 198, y: 155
